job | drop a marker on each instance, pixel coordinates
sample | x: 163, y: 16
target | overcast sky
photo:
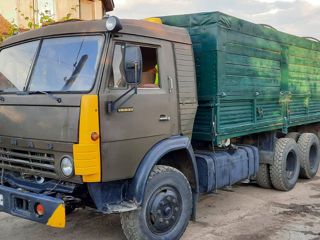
x: 299, y: 17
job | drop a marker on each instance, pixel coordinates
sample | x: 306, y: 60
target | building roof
x: 4, y: 25
x: 132, y: 27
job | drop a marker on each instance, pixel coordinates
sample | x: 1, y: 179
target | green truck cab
x: 138, y: 118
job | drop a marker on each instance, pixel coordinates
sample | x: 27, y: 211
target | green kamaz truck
x: 139, y: 117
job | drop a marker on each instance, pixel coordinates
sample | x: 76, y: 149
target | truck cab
x: 86, y: 114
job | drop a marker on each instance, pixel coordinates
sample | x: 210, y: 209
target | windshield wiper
x: 59, y: 100
x: 76, y: 72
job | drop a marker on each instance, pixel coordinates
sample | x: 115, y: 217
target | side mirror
x: 133, y: 65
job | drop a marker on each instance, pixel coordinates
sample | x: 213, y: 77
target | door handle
x: 164, y: 118
x: 171, y: 84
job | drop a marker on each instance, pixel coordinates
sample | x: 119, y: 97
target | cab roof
x: 134, y: 27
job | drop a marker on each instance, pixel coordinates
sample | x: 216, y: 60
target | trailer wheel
x: 286, y: 165
x: 263, y: 176
x: 309, y: 148
x: 294, y: 135
x: 166, y: 208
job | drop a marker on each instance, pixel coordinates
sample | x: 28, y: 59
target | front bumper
x: 22, y: 204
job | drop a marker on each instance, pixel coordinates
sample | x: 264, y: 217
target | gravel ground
x: 242, y: 213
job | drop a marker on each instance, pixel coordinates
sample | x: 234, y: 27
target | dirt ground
x: 246, y: 212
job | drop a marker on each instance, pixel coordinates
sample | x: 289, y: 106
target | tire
x: 286, y: 165
x: 314, y: 128
x: 263, y: 176
x: 166, y: 208
x: 309, y: 149
x: 294, y: 135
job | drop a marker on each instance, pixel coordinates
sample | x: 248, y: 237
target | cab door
x: 148, y: 117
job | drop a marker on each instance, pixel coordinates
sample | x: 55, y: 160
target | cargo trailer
x: 250, y: 78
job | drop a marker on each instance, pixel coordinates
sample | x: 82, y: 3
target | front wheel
x: 166, y: 207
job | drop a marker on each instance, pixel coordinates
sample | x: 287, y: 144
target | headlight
x: 67, y: 166
x: 113, y: 24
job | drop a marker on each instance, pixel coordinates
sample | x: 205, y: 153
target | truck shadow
x: 82, y: 224
x: 89, y: 224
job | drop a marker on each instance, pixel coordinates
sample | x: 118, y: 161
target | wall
x: 87, y: 10
x: 7, y: 10
x: 63, y: 7
x: 90, y: 9
x: 24, y: 6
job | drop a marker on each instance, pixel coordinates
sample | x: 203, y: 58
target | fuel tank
x: 225, y: 167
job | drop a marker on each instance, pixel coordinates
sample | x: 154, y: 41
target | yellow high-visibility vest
x: 157, y: 75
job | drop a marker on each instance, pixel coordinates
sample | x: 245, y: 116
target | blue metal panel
x: 109, y: 193
x: 206, y: 170
x: 253, y: 159
x: 226, y: 167
x: 50, y: 204
x: 222, y: 160
x: 32, y: 186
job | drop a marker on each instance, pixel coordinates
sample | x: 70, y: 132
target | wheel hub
x: 313, y: 154
x: 164, y: 210
x: 291, y: 164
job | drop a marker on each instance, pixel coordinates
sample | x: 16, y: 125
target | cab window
x: 67, y: 64
x: 150, y: 72
x: 15, y: 66
x: 117, y: 78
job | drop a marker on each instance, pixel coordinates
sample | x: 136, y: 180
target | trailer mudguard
x: 137, y: 186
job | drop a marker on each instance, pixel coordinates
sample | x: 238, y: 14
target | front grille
x: 27, y: 161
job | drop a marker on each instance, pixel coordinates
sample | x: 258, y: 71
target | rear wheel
x: 166, y: 208
x: 309, y: 154
x: 263, y: 176
x: 286, y: 166
x: 293, y: 135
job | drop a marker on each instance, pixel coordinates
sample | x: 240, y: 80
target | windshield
x: 15, y: 65
x: 62, y: 64
x: 67, y: 64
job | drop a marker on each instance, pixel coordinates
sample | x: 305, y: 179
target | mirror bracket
x: 111, y: 105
